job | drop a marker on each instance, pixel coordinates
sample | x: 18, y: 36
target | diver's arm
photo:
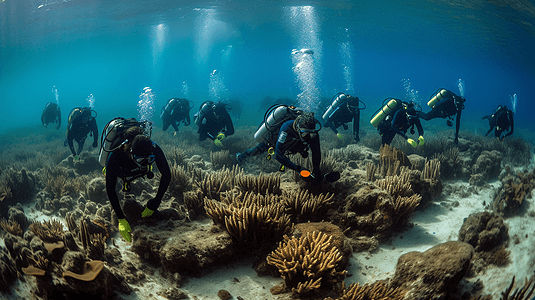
x: 512, y: 127
x: 59, y: 119
x: 419, y: 127
x: 165, y: 179
x: 111, y: 181
x: 356, y: 125
x: 280, y: 146
x: 187, y: 120
x: 229, y: 127
x: 70, y: 140
x: 94, y: 129
x: 330, y: 124
x: 316, y: 157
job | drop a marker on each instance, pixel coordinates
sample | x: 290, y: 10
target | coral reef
x: 489, y: 236
x: 375, y: 291
x: 308, y: 263
x: 435, y: 273
x: 488, y: 164
x: 514, y: 189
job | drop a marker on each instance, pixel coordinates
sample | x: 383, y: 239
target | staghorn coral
x: 48, y: 231
x: 391, y: 160
x: 180, y: 181
x: 307, y: 263
x: 376, y: 291
x: 371, y: 169
x: 304, y: 206
x: 248, y: 217
x: 260, y: 184
x: 212, y: 185
x: 431, y: 170
x: 12, y: 227
x: 221, y: 159
x: 397, y: 185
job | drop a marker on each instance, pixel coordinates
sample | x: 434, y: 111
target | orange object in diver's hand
x: 305, y: 173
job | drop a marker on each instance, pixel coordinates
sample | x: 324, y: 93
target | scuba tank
x: 110, y: 140
x: 276, y: 115
x: 340, y: 98
x: 168, y: 108
x: 205, y: 107
x: 441, y: 94
x: 387, y: 109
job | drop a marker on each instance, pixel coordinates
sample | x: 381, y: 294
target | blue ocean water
x: 112, y: 50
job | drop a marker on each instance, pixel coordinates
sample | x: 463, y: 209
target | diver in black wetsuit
x: 175, y: 111
x: 81, y: 123
x: 214, y: 122
x: 500, y: 121
x: 449, y: 106
x: 51, y: 114
x: 296, y: 135
x: 130, y: 161
x: 403, y: 119
x: 344, y: 109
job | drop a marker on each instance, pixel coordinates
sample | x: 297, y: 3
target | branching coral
x: 308, y: 262
x: 11, y: 227
x: 180, y: 181
x: 371, y: 169
x: 392, y: 160
x: 376, y: 291
x: 48, y: 231
x: 212, y: 185
x: 250, y: 217
x: 304, y: 206
x: 221, y: 159
x: 431, y: 170
x: 5, y: 192
x: 523, y: 293
x: 398, y: 185
x: 261, y: 184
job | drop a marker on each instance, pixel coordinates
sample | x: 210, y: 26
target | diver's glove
x: 421, y: 140
x: 218, y: 143
x: 340, y: 136
x: 76, y: 157
x: 412, y: 142
x: 124, y: 229
x: 147, y: 212
x: 221, y: 136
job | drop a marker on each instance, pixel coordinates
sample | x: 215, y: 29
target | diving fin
x: 332, y: 176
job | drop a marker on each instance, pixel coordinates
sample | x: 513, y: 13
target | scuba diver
x: 449, y: 106
x: 175, y: 111
x: 287, y: 130
x: 501, y: 120
x: 396, y: 117
x: 51, y: 114
x: 344, y: 109
x: 214, y: 122
x: 81, y: 123
x: 127, y: 153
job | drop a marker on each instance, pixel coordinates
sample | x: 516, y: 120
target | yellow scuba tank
x: 437, y: 97
x: 276, y: 117
x: 341, y: 97
x: 384, y: 111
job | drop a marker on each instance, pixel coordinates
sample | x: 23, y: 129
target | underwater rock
x: 96, y: 190
x: 514, y: 189
x: 489, y: 236
x: 434, y: 273
x: 488, y: 164
x: 16, y: 214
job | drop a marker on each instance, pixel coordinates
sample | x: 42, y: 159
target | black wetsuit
x: 78, y: 131
x: 288, y: 142
x: 175, y: 111
x: 210, y: 126
x: 343, y: 115
x: 51, y: 114
x: 500, y: 121
x: 448, y: 107
x: 398, y: 124
x: 120, y: 165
